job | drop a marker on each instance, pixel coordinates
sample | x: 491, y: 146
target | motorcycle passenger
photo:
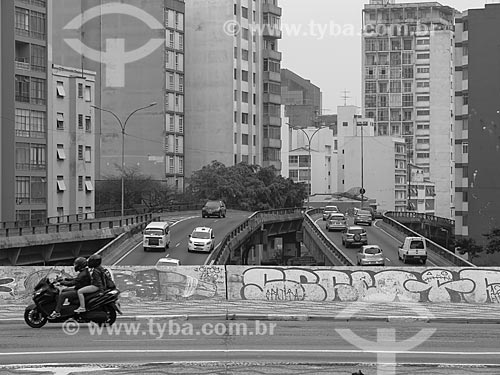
x: 81, y: 280
x: 96, y: 277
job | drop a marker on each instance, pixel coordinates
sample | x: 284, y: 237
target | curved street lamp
x: 309, y: 139
x: 123, y: 126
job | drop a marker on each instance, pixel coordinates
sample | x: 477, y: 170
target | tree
x: 469, y: 246
x: 493, y: 238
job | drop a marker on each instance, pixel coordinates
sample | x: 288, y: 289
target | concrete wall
x: 345, y: 284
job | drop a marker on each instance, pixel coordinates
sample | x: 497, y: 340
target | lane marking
x: 263, y: 351
x: 140, y: 243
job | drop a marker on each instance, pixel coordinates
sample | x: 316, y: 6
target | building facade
x: 408, y: 87
x: 25, y: 34
x: 477, y: 114
x: 137, y: 50
x: 233, y: 97
x: 71, y: 145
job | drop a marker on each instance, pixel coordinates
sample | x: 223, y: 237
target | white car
x: 168, y: 262
x: 202, y: 239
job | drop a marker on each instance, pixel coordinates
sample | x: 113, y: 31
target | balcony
x: 271, y: 98
x: 22, y: 63
x: 271, y: 120
x: 272, y: 143
x: 272, y: 76
x: 270, y: 31
x: 271, y: 8
x: 270, y: 54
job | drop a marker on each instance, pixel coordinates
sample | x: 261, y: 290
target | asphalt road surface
x: 251, y: 341
x: 179, y: 240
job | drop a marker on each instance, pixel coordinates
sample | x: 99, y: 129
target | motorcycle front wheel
x: 34, y: 317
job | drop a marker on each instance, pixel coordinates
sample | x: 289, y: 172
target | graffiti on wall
x: 436, y: 285
x: 135, y: 283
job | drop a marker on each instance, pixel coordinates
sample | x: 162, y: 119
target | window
x: 465, y: 98
x: 80, y: 121
x: 22, y: 89
x: 60, y: 152
x: 38, y: 27
x: 244, y: 75
x: 244, y: 118
x: 423, y: 113
x: 422, y: 84
x: 38, y: 91
x: 61, y: 186
x: 255, y: 140
x: 181, y: 124
x: 22, y: 189
x: 88, y: 154
x: 465, y: 50
x: 272, y: 66
x: 423, y: 56
x: 244, y: 33
x: 88, y: 124
x: 80, y: 152
x: 88, y: 96
x: 244, y: 54
x: 407, y: 100
x: 80, y: 183
x: 465, y: 147
x: 88, y: 184
x: 60, y: 121
x: 22, y: 122
x: 80, y: 90
x: 244, y: 97
x: 423, y: 70
x: 423, y: 98
x: 244, y: 139
x: 235, y: 73
x: 22, y: 21
x: 38, y: 58
x: 60, y: 89
x: 465, y: 171
x: 465, y: 196
x: 244, y: 12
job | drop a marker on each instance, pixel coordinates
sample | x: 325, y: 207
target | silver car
x: 336, y: 221
x: 328, y: 210
x: 370, y: 255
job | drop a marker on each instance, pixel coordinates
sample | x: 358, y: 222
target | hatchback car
x: 370, y: 255
x: 336, y: 221
x: 354, y: 236
x: 202, y: 239
x: 168, y: 262
x: 328, y: 210
x: 363, y: 217
x: 214, y: 208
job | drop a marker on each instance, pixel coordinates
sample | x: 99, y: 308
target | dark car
x: 363, y: 217
x: 214, y: 208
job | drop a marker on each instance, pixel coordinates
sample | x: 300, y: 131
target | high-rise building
x: 408, y: 89
x: 25, y: 31
x: 137, y: 50
x: 71, y: 144
x: 477, y: 115
x: 301, y: 98
x: 233, y: 89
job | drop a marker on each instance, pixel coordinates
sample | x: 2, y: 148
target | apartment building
x: 477, y: 114
x: 24, y: 37
x: 407, y: 88
x: 137, y: 50
x: 233, y: 89
x: 71, y: 144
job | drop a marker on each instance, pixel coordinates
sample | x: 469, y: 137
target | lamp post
x: 309, y: 139
x: 123, y: 126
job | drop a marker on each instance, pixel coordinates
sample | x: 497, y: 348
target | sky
x: 321, y: 43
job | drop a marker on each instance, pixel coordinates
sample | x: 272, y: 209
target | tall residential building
x: 301, y: 98
x: 408, y: 88
x: 137, y: 50
x: 233, y: 95
x: 477, y: 115
x: 71, y: 144
x: 25, y: 30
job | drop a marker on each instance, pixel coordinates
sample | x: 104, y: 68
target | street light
x: 123, y: 126
x: 309, y: 139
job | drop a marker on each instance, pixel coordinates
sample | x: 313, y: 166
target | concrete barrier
x: 236, y: 283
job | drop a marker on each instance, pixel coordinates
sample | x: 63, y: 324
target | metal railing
x: 431, y: 246
x: 421, y: 217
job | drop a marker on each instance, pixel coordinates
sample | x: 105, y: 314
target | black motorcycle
x: 101, y: 307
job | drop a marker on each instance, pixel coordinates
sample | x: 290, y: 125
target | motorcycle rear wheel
x: 110, y: 316
x: 35, y: 318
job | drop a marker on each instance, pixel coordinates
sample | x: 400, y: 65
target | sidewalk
x: 296, y: 310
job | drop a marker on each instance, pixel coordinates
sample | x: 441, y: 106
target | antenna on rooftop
x: 345, y: 96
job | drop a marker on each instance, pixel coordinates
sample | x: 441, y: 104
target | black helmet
x: 80, y: 263
x: 94, y: 261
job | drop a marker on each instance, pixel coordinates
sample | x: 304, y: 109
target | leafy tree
x: 493, y: 238
x: 469, y: 246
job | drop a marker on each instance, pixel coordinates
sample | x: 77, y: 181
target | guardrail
x: 75, y: 227
x: 250, y: 225
x: 421, y: 216
x: 431, y: 246
x: 329, y: 249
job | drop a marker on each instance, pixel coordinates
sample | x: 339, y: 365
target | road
x: 181, y: 228
x: 286, y: 342
x: 376, y: 236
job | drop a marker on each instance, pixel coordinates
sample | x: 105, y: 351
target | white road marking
x: 140, y: 243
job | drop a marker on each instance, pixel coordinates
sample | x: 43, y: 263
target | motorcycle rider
x: 81, y: 280
x: 96, y: 276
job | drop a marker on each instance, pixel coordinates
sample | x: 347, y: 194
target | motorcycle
x: 101, y: 307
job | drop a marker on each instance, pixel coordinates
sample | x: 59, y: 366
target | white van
x: 156, y: 236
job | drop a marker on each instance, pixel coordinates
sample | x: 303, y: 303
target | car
x: 156, y: 236
x: 336, y: 221
x: 214, y: 208
x: 354, y: 236
x: 413, y: 248
x: 168, y: 262
x: 370, y: 255
x: 363, y: 217
x: 202, y: 239
x: 328, y: 210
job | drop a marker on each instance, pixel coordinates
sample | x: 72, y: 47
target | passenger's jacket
x: 81, y: 280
